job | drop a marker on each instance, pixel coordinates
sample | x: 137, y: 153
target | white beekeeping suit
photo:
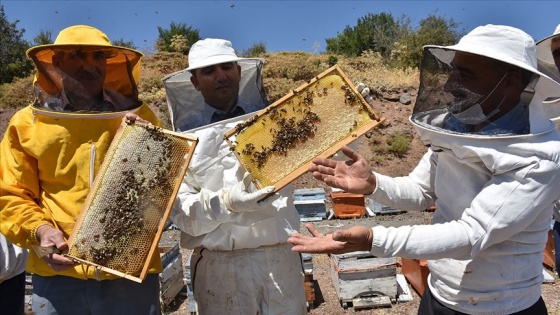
x: 241, y: 263
x: 492, y: 174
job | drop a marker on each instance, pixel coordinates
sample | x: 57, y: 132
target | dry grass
x: 282, y: 72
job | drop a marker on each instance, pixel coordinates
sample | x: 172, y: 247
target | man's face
x: 85, y: 67
x: 219, y: 84
x: 473, y: 80
x: 555, y: 50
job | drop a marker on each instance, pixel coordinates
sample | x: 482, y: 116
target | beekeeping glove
x: 364, y: 90
x: 239, y: 199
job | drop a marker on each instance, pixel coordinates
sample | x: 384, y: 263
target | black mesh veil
x: 444, y: 103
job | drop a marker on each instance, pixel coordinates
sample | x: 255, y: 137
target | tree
x: 376, y: 32
x: 433, y: 30
x: 43, y: 38
x: 256, y: 50
x: 13, y: 62
x: 124, y: 43
x: 178, y: 38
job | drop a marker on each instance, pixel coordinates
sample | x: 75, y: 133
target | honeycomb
x: 316, y: 119
x: 124, y: 213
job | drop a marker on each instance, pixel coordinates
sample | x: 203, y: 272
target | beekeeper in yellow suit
x: 50, y: 154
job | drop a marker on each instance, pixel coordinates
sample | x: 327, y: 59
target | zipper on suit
x: 92, y: 164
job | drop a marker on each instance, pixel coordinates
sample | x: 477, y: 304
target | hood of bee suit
x: 503, y: 43
x: 546, y: 65
x: 123, y: 64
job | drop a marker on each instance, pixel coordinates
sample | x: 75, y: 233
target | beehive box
x: 347, y: 205
x: 315, y: 120
x: 416, y: 272
x: 309, y: 281
x: 310, y: 204
x: 124, y: 214
x: 363, y: 280
x: 171, y: 278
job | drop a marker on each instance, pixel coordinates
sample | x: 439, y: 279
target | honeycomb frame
x: 317, y: 119
x: 125, y: 212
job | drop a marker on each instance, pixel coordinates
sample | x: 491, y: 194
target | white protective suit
x: 12, y: 259
x: 244, y: 256
x: 494, y: 196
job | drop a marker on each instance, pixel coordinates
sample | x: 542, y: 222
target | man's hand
x: 132, y: 118
x: 49, y: 236
x: 352, y: 176
x: 357, y: 238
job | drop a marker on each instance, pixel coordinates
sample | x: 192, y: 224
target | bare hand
x: 131, y: 117
x: 352, y: 176
x: 357, y: 238
x: 49, y: 236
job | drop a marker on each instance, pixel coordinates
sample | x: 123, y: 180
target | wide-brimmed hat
x: 211, y: 51
x: 504, y: 43
x: 544, y: 55
x: 123, y: 63
x: 79, y: 37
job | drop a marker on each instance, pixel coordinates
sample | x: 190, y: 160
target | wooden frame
x: 344, y: 115
x: 130, y: 200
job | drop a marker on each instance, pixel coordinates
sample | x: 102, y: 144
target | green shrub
x: 399, y: 144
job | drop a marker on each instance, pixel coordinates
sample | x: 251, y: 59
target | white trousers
x: 266, y: 281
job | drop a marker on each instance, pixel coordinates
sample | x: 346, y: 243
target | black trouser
x: 12, y: 295
x: 430, y: 306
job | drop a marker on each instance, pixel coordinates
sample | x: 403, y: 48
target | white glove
x: 239, y: 199
x: 364, y: 90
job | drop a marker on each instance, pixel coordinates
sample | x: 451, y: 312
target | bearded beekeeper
x: 51, y: 152
x: 492, y: 169
x: 548, y: 53
x: 241, y: 263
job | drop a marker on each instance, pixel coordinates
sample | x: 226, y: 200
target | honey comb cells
x: 131, y: 195
x: 316, y: 119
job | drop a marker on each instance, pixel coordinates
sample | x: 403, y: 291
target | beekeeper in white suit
x: 241, y: 263
x: 548, y: 53
x: 492, y: 169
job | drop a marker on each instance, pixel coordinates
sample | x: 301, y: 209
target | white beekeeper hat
x: 544, y: 55
x: 211, y: 51
x: 504, y: 43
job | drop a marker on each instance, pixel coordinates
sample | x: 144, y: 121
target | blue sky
x: 280, y: 25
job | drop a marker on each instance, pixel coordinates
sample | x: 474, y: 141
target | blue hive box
x: 310, y: 204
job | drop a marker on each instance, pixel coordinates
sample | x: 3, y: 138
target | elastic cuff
x: 34, y: 228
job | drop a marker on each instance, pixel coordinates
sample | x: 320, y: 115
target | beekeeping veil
x: 121, y: 75
x: 185, y: 103
x: 547, y: 66
x: 441, y: 97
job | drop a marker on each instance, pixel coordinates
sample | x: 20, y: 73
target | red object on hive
x: 348, y: 205
x: 416, y: 272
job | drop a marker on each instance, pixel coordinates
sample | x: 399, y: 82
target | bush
x: 17, y: 94
x: 399, y: 144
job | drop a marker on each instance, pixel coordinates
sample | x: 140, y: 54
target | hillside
x: 282, y: 72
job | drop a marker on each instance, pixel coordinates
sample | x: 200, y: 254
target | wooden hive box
x: 309, y: 281
x: 416, y: 272
x: 363, y: 280
x: 171, y: 278
x: 347, y: 205
x: 549, y: 258
x: 277, y: 144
